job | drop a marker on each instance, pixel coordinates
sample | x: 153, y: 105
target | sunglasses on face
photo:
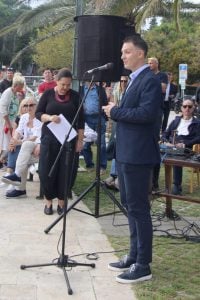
x: 10, y: 69
x: 123, y: 80
x: 189, y: 106
x: 29, y: 105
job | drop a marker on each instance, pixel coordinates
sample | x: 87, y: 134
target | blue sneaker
x: 12, y: 179
x: 16, y: 194
x: 135, y: 274
x: 121, y: 265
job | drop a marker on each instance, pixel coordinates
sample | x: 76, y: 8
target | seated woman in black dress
x: 183, y: 132
x: 59, y: 100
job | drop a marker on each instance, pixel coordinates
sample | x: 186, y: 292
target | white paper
x: 61, y: 129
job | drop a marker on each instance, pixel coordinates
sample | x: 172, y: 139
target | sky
x: 35, y: 3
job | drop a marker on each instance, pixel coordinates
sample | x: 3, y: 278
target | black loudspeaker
x: 99, y: 40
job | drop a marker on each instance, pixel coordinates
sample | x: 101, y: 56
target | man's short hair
x: 47, y: 69
x: 138, y: 42
x: 154, y: 59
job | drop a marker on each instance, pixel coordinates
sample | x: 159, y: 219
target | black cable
x: 113, y: 220
x: 185, y: 232
x: 95, y: 255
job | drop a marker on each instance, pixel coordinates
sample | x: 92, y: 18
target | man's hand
x: 180, y: 145
x: 108, y: 108
x: 169, y: 144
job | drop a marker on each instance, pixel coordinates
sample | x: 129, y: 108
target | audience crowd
x: 22, y: 119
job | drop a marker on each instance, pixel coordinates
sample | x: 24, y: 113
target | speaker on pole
x: 99, y: 40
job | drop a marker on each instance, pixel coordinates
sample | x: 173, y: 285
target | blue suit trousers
x: 134, y: 183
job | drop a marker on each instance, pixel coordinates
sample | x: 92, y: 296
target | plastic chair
x: 196, y: 149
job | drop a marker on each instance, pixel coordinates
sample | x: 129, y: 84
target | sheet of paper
x: 60, y: 130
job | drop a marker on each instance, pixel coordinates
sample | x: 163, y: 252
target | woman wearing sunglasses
x: 29, y: 129
x: 183, y: 132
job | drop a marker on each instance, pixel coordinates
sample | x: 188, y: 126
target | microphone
x: 101, y: 68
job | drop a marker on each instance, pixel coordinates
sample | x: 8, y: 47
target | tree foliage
x: 56, y: 16
x: 55, y: 52
x: 138, y: 10
x: 173, y: 48
x: 10, y: 44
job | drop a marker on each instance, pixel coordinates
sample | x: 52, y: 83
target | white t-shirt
x: 182, y: 128
x: 24, y: 130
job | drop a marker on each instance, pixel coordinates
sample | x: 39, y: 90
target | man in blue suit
x: 138, y: 124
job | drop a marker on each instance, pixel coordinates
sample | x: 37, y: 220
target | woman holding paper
x: 54, y: 102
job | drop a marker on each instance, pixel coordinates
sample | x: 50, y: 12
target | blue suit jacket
x: 138, y: 121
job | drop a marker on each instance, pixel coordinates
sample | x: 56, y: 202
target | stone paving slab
x: 23, y: 241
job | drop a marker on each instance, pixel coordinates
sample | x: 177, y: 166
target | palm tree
x: 53, y: 12
x: 140, y: 10
x: 62, y: 12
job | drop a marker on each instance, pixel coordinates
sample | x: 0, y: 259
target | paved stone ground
x: 23, y: 241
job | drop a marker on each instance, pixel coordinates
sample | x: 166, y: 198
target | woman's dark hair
x: 190, y: 98
x: 138, y: 42
x: 63, y: 73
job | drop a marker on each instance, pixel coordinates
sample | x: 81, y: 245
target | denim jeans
x: 12, y: 157
x: 113, y: 169
x: 92, y: 122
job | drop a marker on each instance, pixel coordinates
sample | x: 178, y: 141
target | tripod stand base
x: 171, y: 215
x: 63, y: 262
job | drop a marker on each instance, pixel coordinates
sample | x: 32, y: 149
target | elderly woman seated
x: 183, y: 132
x: 25, y: 139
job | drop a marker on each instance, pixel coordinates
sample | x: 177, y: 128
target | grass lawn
x: 176, y: 262
x: 175, y: 268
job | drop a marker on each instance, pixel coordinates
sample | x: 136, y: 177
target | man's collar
x: 135, y: 73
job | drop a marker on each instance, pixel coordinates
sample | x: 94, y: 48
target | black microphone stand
x: 63, y: 261
x: 97, y: 183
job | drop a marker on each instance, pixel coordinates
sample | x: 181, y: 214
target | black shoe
x: 60, y: 210
x: 12, y: 179
x: 48, y: 210
x: 177, y: 190
x: 135, y: 274
x: 16, y: 194
x: 121, y: 265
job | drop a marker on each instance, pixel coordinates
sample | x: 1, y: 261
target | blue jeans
x: 113, y: 169
x: 92, y: 122
x: 12, y: 157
